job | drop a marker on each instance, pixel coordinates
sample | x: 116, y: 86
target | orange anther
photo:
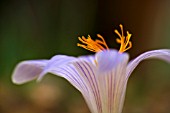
x: 93, y: 45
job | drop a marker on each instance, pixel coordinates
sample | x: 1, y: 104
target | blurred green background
x: 39, y: 29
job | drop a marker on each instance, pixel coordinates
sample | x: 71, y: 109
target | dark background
x: 39, y: 29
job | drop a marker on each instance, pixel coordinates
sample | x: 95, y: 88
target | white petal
x: 163, y: 54
x: 28, y: 70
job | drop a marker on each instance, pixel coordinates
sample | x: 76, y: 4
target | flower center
x: 100, y: 45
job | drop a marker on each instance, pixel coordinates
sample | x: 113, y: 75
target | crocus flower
x: 101, y: 78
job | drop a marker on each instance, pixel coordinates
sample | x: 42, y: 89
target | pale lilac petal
x: 28, y: 70
x: 70, y: 73
x: 55, y: 62
x: 163, y: 54
x: 88, y: 58
x: 107, y: 60
x: 112, y: 83
x: 80, y: 74
x: 62, y: 66
x: 88, y: 72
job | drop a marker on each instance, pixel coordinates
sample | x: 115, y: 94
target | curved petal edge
x: 163, y: 54
x: 28, y: 70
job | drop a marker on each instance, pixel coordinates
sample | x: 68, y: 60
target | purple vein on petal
x: 69, y: 72
x: 79, y: 76
x: 72, y: 74
x: 55, y: 62
x: 88, y: 82
x: 96, y: 86
x: 89, y: 58
x: 88, y: 73
x: 71, y: 79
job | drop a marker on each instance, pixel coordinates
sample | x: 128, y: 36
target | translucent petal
x: 107, y: 60
x: 88, y: 73
x: 88, y: 58
x: 28, y: 70
x: 80, y: 73
x: 163, y: 54
x: 70, y: 73
x: 111, y: 73
x: 56, y: 62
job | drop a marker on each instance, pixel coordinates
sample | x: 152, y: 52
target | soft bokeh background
x: 39, y: 29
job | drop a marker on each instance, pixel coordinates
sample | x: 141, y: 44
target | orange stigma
x: 124, y: 41
x: 93, y: 45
